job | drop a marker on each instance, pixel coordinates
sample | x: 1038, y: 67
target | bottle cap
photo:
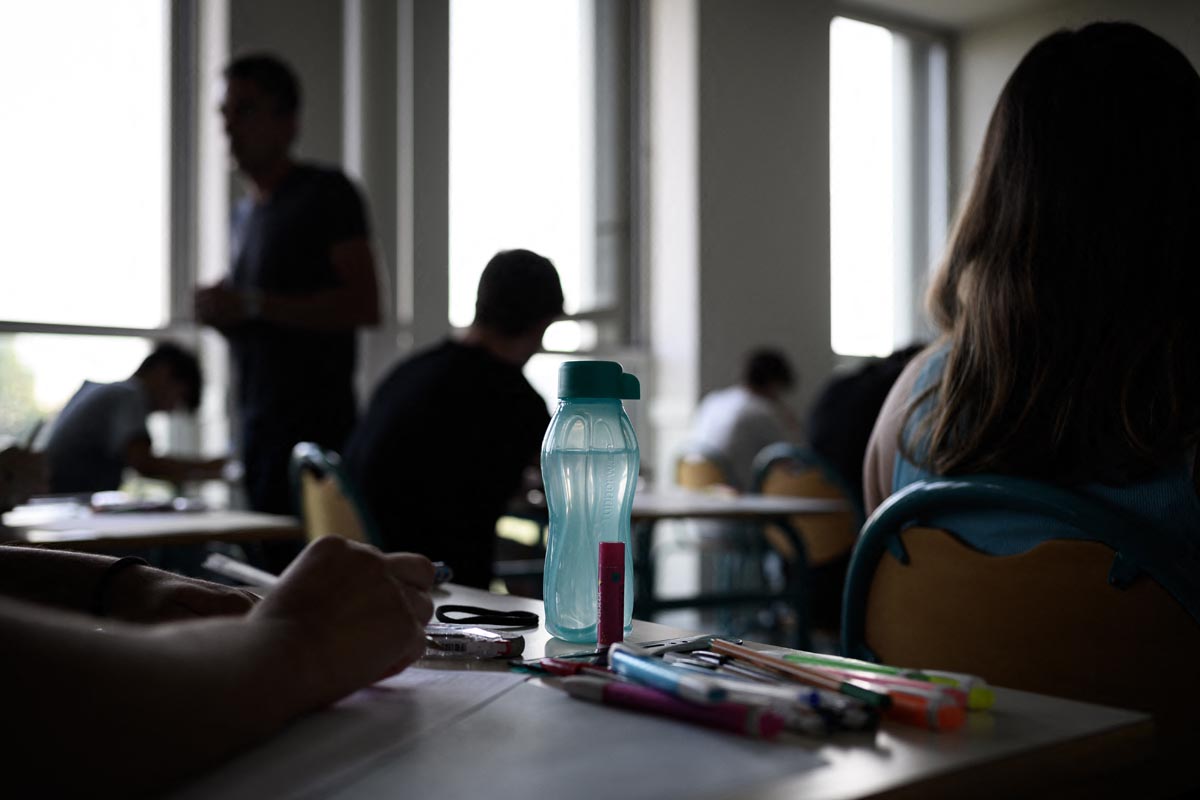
x: 597, y: 379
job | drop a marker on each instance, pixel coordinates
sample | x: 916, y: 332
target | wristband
x: 106, y: 578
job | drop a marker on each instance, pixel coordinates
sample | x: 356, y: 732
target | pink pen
x: 733, y: 717
x: 610, y: 605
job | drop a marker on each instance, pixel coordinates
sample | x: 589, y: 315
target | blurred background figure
x: 739, y: 421
x: 102, y: 429
x: 449, y: 431
x: 22, y: 474
x: 301, y: 282
x: 844, y: 413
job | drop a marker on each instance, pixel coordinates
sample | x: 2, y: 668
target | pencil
x: 812, y: 677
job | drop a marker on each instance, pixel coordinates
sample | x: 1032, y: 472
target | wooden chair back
x: 1069, y: 617
x: 700, y: 470
x: 327, y: 500
x: 827, y: 537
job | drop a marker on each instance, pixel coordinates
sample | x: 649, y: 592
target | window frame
x: 181, y: 218
x: 927, y: 157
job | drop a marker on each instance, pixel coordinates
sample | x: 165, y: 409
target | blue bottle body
x: 589, y: 468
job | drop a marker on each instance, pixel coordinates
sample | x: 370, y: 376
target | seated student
x: 450, y: 430
x: 102, y: 429
x: 112, y: 708
x: 1068, y: 297
x: 844, y: 413
x: 22, y: 474
x: 739, y: 421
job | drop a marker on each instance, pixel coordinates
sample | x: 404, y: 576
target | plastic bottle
x: 589, y: 468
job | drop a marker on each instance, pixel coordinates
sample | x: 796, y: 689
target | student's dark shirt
x: 293, y: 384
x: 841, y: 420
x: 441, y: 450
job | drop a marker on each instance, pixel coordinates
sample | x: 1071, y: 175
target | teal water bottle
x: 590, y: 469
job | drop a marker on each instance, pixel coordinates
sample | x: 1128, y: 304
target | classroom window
x: 40, y: 372
x: 539, y: 154
x: 887, y: 159
x: 84, y: 155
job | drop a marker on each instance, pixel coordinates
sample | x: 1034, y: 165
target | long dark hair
x: 1070, y: 292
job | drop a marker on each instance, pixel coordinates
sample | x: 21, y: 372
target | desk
x: 75, y: 527
x: 650, y: 507
x: 1029, y: 745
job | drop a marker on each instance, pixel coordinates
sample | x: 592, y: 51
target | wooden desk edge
x: 63, y: 540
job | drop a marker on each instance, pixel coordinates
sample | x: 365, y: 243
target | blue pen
x: 649, y: 672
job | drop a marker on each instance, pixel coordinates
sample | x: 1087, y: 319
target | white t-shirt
x: 736, y: 424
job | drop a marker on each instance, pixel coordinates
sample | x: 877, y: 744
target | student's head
x: 519, y: 296
x: 766, y: 372
x: 260, y: 109
x: 172, y: 378
x: 1070, y: 291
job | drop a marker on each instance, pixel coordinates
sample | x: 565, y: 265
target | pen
x: 239, y: 571
x: 979, y: 694
x: 253, y: 576
x: 742, y: 719
x: 650, y: 672
x: 893, y: 683
x: 852, y: 688
x: 789, y: 700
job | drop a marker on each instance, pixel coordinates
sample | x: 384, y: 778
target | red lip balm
x: 610, y: 622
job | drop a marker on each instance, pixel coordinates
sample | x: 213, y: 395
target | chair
x: 795, y: 471
x: 326, y: 498
x: 703, y: 469
x: 1091, y: 613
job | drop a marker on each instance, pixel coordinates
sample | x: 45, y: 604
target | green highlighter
x: 979, y: 694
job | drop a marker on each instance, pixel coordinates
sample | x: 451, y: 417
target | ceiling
x: 953, y: 14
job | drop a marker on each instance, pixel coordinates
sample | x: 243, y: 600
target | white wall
x: 987, y: 55
x: 764, y: 187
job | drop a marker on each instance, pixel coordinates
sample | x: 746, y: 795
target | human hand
x: 219, y: 306
x: 350, y: 614
x: 148, y: 595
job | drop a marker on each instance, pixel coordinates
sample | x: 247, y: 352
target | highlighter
x: 610, y: 605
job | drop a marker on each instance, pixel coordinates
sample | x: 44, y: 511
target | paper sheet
x: 324, y: 751
x: 537, y: 743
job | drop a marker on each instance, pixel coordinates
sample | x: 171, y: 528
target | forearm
x: 51, y: 577
x: 129, y: 710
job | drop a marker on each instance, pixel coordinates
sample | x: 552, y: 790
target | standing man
x: 302, y: 281
x: 450, y: 430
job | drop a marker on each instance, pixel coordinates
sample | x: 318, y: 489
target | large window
x: 539, y: 154
x: 887, y: 161
x: 86, y: 196
x: 83, y: 152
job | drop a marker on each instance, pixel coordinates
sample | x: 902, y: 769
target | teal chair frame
x: 920, y: 504
x: 805, y: 456
x: 310, y: 456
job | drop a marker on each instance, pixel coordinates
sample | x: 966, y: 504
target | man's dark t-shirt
x: 441, y: 450
x: 293, y: 384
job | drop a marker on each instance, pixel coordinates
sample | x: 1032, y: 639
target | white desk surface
x: 76, y: 526
x: 513, y: 745
x: 683, y: 504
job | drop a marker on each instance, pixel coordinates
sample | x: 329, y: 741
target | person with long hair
x: 1069, y: 297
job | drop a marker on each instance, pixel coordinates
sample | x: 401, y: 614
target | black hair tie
x: 474, y: 615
